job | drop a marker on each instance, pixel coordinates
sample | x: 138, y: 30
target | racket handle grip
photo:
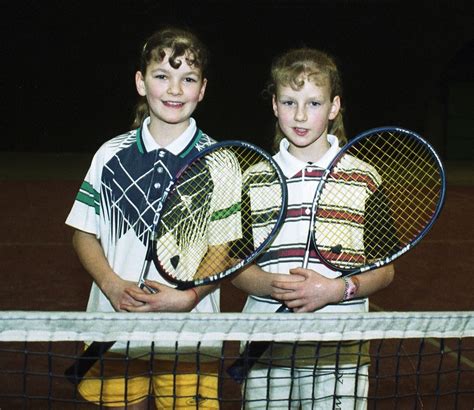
x: 82, y: 365
x: 252, y: 353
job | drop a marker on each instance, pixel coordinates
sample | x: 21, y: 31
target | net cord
x: 84, y: 326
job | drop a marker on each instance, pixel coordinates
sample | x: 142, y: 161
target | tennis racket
x: 217, y: 215
x: 377, y: 199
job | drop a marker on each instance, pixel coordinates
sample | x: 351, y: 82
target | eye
x: 160, y: 76
x: 288, y: 103
x: 315, y: 104
x: 190, y: 80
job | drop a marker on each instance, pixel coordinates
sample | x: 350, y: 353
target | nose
x: 300, y: 114
x: 174, y: 88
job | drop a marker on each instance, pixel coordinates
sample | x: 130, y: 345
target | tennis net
x: 397, y: 360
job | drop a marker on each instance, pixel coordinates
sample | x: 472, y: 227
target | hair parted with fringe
x: 296, y: 66
x: 182, y: 43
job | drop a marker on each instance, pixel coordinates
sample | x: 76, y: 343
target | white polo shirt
x: 118, y: 199
x: 287, y: 250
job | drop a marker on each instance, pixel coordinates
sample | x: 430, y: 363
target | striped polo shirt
x: 287, y: 250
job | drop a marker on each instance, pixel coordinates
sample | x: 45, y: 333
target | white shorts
x: 306, y: 388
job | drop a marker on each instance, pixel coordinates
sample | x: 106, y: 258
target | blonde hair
x: 292, y: 69
x: 181, y: 42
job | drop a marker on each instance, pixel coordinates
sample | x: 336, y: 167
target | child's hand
x: 164, y: 299
x: 305, y: 290
x: 118, y: 295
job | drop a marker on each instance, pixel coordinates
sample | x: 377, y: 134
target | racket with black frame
x: 376, y: 200
x: 216, y: 216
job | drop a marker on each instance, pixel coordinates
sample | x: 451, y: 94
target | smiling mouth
x: 300, y: 131
x: 174, y: 104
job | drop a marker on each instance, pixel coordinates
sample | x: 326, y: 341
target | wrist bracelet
x: 196, y: 297
x: 351, y: 287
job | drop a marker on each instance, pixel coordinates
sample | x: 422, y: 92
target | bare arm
x: 306, y: 290
x: 92, y: 257
x: 126, y: 295
x: 255, y: 281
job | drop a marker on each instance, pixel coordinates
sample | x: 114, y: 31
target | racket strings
x: 379, y: 197
x: 190, y: 239
x: 223, y: 207
x: 414, y: 180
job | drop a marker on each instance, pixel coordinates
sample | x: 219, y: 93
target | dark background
x: 69, y: 66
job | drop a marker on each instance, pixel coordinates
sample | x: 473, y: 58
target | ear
x: 203, y: 89
x: 140, y: 83
x: 275, y: 105
x: 335, y: 107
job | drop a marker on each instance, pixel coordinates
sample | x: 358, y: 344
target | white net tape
x: 67, y: 326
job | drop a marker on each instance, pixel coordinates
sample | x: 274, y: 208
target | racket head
x: 377, y: 199
x: 219, y: 213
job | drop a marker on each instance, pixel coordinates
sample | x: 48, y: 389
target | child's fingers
x: 135, y: 308
x: 136, y: 297
x: 288, y: 279
x: 294, y: 282
x: 300, y: 273
x: 284, y: 287
x: 156, y: 286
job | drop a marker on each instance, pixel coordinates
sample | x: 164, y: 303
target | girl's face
x: 172, y: 94
x: 303, y: 116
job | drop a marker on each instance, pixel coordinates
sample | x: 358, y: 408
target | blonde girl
x: 306, y: 90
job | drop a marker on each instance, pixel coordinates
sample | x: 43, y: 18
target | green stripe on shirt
x: 225, y: 213
x: 89, y: 196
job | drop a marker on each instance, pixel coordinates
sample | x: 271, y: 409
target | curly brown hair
x: 181, y: 42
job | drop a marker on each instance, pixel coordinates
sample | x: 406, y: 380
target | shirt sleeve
x: 85, y: 212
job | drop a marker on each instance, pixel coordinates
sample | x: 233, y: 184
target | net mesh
x: 406, y: 359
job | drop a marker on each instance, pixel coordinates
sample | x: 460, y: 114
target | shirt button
x: 157, y: 185
x: 161, y: 154
x: 307, y: 211
x: 160, y: 169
